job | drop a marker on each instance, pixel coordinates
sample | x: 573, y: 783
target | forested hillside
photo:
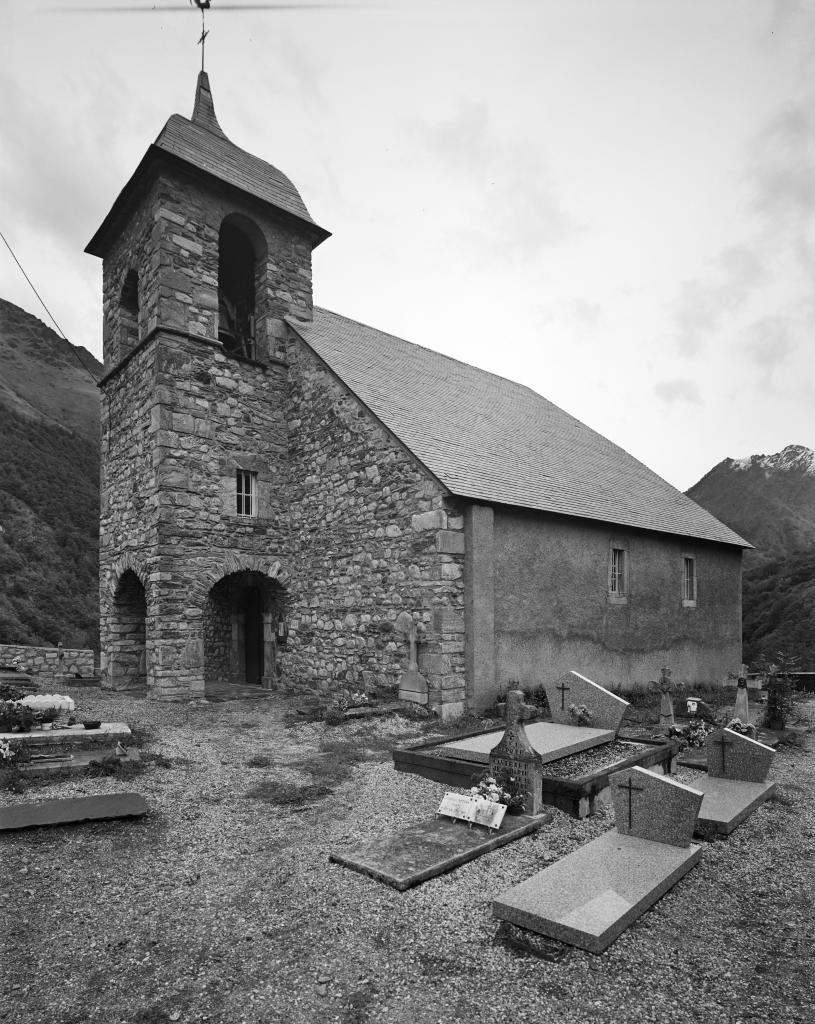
x: 49, y: 486
x: 770, y: 501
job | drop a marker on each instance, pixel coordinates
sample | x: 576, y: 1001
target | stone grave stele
x: 514, y: 757
x: 412, y: 684
x: 591, y: 896
x: 736, y: 781
x: 575, y: 690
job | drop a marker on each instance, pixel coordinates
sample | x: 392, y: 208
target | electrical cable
x: 60, y: 331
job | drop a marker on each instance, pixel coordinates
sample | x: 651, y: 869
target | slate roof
x: 200, y: 142
x: 496, y: 441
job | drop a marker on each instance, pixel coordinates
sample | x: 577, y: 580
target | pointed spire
x: 203, y: 113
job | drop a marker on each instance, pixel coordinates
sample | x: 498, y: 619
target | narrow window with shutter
x: 688, y: 581
x: 617, y: 571
x: 246, y: 492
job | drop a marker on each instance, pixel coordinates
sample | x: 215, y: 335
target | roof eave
x: 101, y: 242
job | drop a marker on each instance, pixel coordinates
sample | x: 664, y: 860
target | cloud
x: 769, y: 343
x: 509, y: 196
x: 679, y: 389
x: 703, y: 305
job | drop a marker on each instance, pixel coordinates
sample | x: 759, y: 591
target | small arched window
x: 129, y: 313
x: 237, y: 269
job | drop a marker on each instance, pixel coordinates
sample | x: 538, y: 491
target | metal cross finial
x: 631, y: 788
x: 202, y: 5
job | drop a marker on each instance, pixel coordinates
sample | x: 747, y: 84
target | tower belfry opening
x: 236, y: 292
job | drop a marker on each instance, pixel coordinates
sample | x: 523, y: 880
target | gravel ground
x: 224, y: 908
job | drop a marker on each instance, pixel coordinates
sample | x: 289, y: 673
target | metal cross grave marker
x: 631, y: 788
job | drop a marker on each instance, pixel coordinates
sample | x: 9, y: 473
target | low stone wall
x: 47, y: 664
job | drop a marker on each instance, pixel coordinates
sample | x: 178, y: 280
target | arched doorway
x: 127, y: 658
x: 241, y: 616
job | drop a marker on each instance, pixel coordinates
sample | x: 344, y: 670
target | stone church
x: 286, y: 492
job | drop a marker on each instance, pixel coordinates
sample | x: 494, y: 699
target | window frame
x: 693, y: 578
x: 246, y: 493
x: 617, y: 582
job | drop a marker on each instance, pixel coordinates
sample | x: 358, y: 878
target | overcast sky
x: 611, y: 201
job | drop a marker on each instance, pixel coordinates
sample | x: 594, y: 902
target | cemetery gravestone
x: 731, y: 755
x: 742, y: 708
x: 735, y: 784
x: 573, y: 690
x: 412, y: 684
x: 515, y: 758
x: 591, y: 896
x: 666, y: 704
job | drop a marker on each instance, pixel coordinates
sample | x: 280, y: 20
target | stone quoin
x: 281, y: 483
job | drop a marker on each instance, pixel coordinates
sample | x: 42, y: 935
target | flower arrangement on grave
x: 580, y: 713
x: 694, y: 734
x: 746, y: 729
x: 16, y: 717
x: 500, y: 790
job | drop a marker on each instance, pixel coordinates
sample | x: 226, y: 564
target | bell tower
x: 206, y: 252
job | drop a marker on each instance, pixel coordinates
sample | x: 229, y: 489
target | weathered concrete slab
x: 731, y: 755
x: 653, y: 806
x: 607, y: 709
x: 406, y: 859
x: 75, y: 761
x: 74, y: 811
x: 591, y: 896
x: 549, y: 739
x: 728, y: 802
x: 108, y: 732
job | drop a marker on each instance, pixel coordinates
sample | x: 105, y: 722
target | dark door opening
x: 253, y: 636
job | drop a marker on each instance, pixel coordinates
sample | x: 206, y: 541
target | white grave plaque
x: 473, y: 810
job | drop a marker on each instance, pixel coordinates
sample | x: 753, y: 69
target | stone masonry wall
x: 172, y: 242
x: 373, y: 535
x: 46, y: 664
x: 181, y: 417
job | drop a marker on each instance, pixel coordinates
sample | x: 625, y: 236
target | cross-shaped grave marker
x: 629, y: 785
x: 563, y: 690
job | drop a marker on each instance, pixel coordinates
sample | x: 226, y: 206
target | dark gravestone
x: 71, y: 812
x: 515, y: 756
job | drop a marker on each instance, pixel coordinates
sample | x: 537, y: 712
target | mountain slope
x: 49, y: 485
x: 770, y: 501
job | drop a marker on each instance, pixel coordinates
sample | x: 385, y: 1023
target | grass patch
x: 260, y: 761
x: 282, y: 794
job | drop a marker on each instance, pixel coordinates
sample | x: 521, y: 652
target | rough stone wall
x: 172, y: 242
x: 128, y: 523
x: 46, y: 664
x: 373, y: 535
x: 553, y: 612
x: 180, y: 417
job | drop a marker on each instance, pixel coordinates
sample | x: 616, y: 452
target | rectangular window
x: 688, y: 580
x: 246, y: 490
x: 617, y: 573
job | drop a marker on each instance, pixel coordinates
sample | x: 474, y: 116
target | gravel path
x: 224, y: 908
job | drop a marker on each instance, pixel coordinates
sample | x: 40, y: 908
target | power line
x: 48, y: 311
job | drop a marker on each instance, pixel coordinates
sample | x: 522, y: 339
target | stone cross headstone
x: 573, y: 690
x: 515, y: 756
x: 412, y: 684
x: 742, y: 708
x: 731, y: 755
x: 654, y: 807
